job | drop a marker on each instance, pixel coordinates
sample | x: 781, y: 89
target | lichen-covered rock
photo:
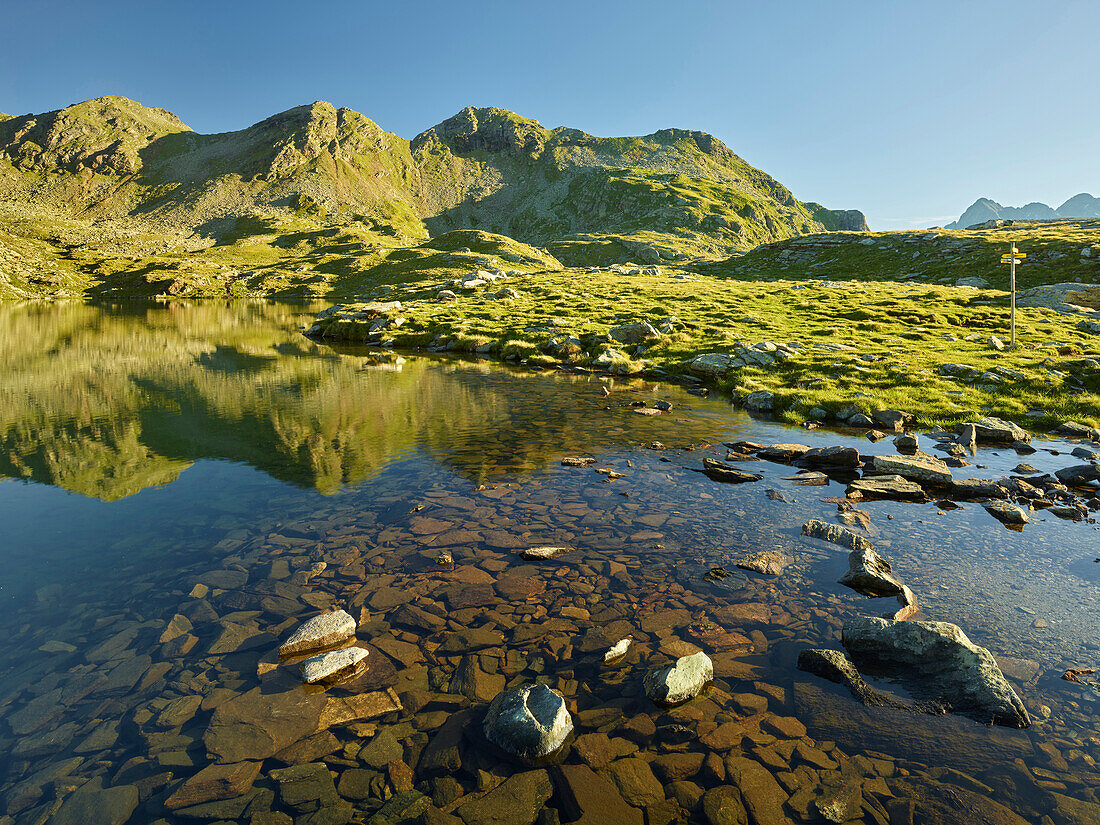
x: 634, y: 333
x: 682, y: 680
x: 320, y: 631
x: 914, y: 467
x: 937, y: 662
x: 531, y: 722
x: 759, y: 401
x: 894, y: 488
x: 832, y: 457
x: 336, y: 664
x: 999, y: 431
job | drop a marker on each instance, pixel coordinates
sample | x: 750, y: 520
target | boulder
x: 617, y: 650
x: 974, y: 489
x: 213, y: 783
x: 937, y: 662
x: 320, y: 631
x: 589, y: 799
x: 530, y: 722
x: 634, y: 333
x: 680, y: 681
x: 515, y: 801
x: 720, y: 471
x: 763, y: 796
x: 907, y: 606
x: 723, y: 805
x: 711, y: 364
x: 893, y: 420
x: 869, y: 574
x: 833, y: 665
x: 906, y: 443
x: 923, y: 468
x: 544, y: 553
x: 999, y: 431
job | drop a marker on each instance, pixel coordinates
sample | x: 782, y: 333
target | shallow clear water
x: 147, y: 450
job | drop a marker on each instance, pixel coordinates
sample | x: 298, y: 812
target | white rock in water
x: 334, y: 664
x: 680, y: 681
x: 531, y: 722
x: 543, y: 553
x: 320, y: 631
x: 617, y: 650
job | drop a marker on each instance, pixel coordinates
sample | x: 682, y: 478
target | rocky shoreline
x: 626, y: 349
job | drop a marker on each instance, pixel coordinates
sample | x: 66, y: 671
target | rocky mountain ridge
x: 125, y: 168
x: 1079, y: 206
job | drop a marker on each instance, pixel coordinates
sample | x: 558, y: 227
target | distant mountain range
x: 984, y: 209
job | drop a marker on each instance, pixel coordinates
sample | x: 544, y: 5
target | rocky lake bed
x: 278, y: 582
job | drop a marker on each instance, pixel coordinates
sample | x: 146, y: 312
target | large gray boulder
x: 530, y: 722
x: 937, y: 662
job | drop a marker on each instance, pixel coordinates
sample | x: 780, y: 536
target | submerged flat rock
x: 544, y: 553
x: 320, y: 631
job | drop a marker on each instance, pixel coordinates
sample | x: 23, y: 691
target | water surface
x: 148, y: 450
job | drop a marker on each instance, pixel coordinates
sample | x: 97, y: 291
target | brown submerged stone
x: 215, y: 782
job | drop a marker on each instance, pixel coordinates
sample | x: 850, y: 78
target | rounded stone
x: 531, y: 721
x: 682, y: 680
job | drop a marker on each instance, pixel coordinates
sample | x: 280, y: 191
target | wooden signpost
x: 1012, y: 258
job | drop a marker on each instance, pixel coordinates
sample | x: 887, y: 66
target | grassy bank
x: 868, y: 344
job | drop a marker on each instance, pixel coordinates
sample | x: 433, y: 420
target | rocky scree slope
x: 95, y: 192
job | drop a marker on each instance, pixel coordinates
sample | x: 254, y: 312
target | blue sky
x: 907, y: 111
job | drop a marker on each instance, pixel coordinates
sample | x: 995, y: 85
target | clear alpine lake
x: 184, y: 484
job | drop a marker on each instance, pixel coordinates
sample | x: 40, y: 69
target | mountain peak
x: 104, y: 135
x: 488, y: 129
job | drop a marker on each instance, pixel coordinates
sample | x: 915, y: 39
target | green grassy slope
x: 112, y: 197
x: 1054, y: 254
